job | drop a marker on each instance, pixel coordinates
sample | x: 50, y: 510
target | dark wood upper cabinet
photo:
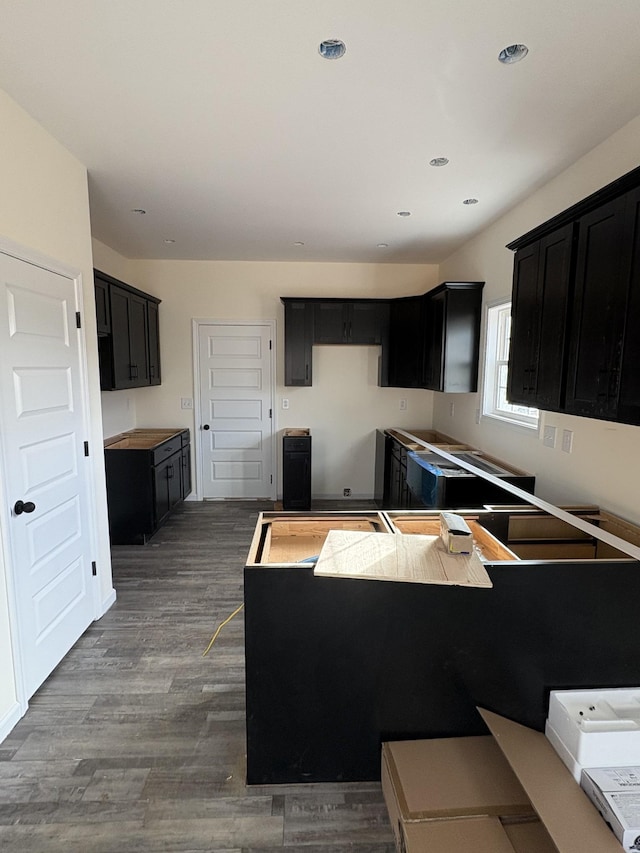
x: 352, y: 322
x: 130, y: 350
x: 452, y: 341
x: 541, y: 280
x: 434, y: 339
x: 576, y: 299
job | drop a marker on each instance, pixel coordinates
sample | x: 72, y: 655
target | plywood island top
x: 408, y: 558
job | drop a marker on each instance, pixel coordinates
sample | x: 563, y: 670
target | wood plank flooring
x: 136, y: 743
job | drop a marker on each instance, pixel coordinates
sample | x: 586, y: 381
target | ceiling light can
x: 139, y: 210
x: 470, y: 201
x: 404, y: 213
x: 439, y: 161
x: 332, y: 49
x: 512, y: 53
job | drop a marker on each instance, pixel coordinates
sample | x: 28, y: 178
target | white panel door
x: 236, y: 400
x: 45, y: 480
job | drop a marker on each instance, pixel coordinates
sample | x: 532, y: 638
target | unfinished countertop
x: 141, y: 439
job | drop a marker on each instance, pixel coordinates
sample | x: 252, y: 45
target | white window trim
x: 490, y: 407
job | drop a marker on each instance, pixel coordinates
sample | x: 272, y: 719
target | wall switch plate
x: 549, y: 436
x: 452, y: 409
x: 285, y: 403
x: 477, y: 416
x: 567, y: 440
x: 403, y: 405
x: 186, y: 403
x: 346, y: 493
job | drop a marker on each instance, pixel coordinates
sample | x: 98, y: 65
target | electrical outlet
x: 403, y: 405
x: 285, y: 403
x: 186, y: 403
x: 346, y: 493
x: 567, y: 440
x: 549, y: 436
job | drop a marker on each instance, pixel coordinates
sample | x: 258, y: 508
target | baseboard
x: 11, y: 719
x: 108, y: 602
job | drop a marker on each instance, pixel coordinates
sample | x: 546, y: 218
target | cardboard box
x: 433, y: 781
x: 615, y: 792
x: 479, y: 834
x: 529, y: 837
x: 455, y: 533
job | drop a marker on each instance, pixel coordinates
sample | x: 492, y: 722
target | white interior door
x: 236, y: 410
x: 42, y: 456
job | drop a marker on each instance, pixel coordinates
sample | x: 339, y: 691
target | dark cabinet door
x: 296, y: 472
x: 154, y: 343
x: 434, y: 363
x: 186, y: 471
x: 368, y: 322
x: 629, y: 394
x: 167, y: 486
x: 406, y: 343
x: 120, y: 346
x: 331, y: 322
x: 542, y: 275
x: 138, y: 340
x: 103, y: 311
x: 298, y: 342
x: 597, y: 319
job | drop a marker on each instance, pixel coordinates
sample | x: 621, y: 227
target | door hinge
x: 270, y: 413
x: 78, y: 320
x: 86, y: 448
x: 271, y: 479
x: 270, y: 344
x: 94, y: 568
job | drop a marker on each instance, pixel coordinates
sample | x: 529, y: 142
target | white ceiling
x: 222, y: 121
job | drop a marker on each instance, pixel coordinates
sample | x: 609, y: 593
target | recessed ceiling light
x: 332, y: 49
x: 439, y: 161
x: 382, y: 245
x: 168, y: 242
x: 470, y: 201
x: 513, y: 53
x: 404, y: 213
x: 298, y: 243
x: 138, y: 210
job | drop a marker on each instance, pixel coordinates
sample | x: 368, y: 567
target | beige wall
x: 603, y: 467
x: 343, y: 407
x: 44, y: 207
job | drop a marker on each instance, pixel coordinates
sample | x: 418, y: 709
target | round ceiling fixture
x: 513, y: 53
x: 382, y: 245
x: 470, y: 201
x: 298, y: 243
x: 169, y: 242
x: 404, y: 213
x: 332, y: 49
x: 439, y: 161
x: 139, y: 210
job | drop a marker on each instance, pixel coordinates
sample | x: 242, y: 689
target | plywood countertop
x: 141, y: 439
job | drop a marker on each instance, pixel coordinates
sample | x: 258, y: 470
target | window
x: 495, y: 403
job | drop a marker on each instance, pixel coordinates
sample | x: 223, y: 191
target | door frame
x: 35, y: 258
x: 197, y: 413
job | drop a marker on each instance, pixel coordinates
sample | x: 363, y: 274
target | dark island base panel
x: 335, y: 667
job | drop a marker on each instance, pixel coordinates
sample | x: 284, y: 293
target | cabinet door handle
x: 152, y: 371
x: 169, y: 472
x: 344, y: 329
x: 133, y: 371
x: 306, y: 371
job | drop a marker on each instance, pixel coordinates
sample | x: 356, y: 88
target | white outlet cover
x: 549, y: 436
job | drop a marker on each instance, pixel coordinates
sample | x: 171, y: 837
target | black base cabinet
x: 296, y: 472
x: 144, y: 485
x: 335, y: 667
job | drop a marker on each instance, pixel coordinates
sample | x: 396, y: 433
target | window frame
x: 496, y: 362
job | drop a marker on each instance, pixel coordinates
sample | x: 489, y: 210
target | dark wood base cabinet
x: 144, y: 485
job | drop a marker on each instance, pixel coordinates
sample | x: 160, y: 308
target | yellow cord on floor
x: 220, y: 627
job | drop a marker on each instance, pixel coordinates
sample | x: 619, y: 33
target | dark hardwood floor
x: 137, y: 743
